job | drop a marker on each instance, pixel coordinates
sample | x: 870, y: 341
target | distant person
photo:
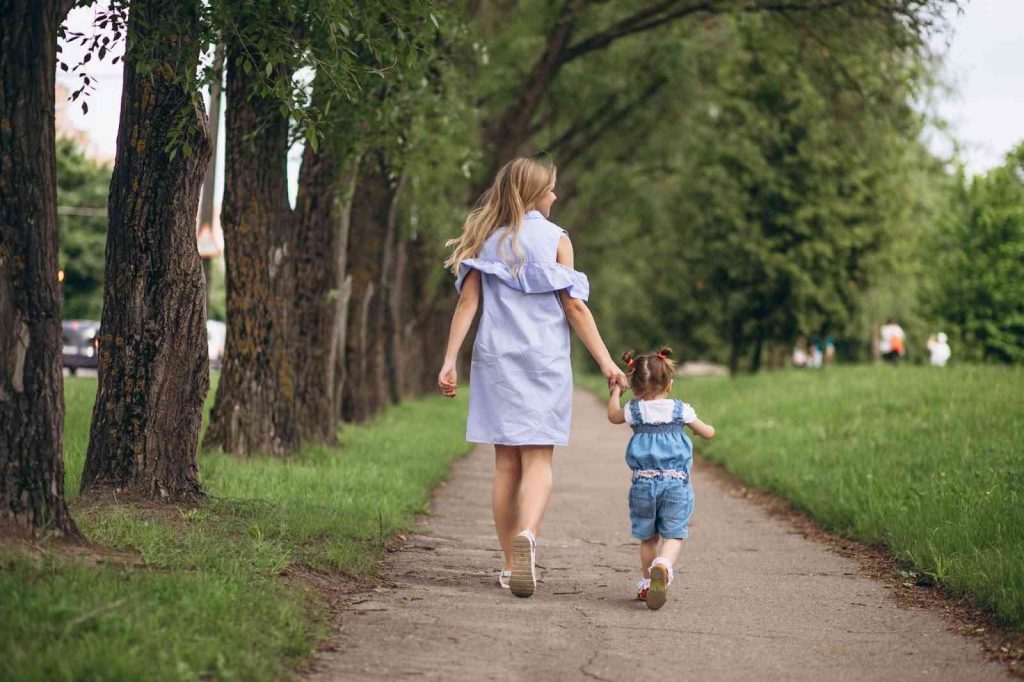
x: 519, y: 265
x: 830, y: 351
x: 660, y: 455
x: 800, y: 352
x: 938, y: 349
x: 817, y: 354
x: 892, y: 341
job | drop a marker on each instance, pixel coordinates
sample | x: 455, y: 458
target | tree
x: 153, y: 374
x: 255, y: 409
x: 743, y: 200
x: 573, y: 29
x: 979, y: 257
x: 31, y: 386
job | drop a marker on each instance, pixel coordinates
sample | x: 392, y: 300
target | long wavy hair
x: 519, y: 184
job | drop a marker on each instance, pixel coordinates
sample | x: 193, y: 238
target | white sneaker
x: 503, y: 579
x: 523, y: 581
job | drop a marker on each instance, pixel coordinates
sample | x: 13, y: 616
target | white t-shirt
x: 659, y: 411
x: 888, y: 333
x: 940, y: 353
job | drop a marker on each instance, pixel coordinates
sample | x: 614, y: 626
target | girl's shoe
x: 503, y: 578
x: 642, y: 586
x: 523, y: 581
x: 661, y: 578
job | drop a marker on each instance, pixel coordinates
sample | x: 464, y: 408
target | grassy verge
x: 202, y: 596
x: 927, y: 462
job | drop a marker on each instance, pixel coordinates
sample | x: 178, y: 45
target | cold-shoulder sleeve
x: 531, y: 277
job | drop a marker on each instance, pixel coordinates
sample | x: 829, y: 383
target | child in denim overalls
x: 660, y: 455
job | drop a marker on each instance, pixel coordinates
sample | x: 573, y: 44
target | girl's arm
x: 706, y: 431
x: 462, y: 319
x: 582, y: 320
x: 616, y: 415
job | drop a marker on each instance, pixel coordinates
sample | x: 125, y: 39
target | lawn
x: 200, y: 595
x: 928, y: 462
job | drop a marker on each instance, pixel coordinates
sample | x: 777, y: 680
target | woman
x: 520, y: 397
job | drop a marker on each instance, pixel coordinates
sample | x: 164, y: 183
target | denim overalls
x: 660, y: 456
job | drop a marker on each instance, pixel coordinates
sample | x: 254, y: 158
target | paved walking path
x: 753, y: 599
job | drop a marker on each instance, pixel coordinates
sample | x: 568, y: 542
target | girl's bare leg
x: 669, y: 550
x: 648, y: 553
x: 535, y: 488
x: 508, y: 471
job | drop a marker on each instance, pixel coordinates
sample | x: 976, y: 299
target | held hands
x: 447, y: 380
x: 615, y: 377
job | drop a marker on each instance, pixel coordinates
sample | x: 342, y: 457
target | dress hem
x: 561, y: 443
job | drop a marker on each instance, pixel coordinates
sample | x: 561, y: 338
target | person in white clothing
x: 891, y: 341
x: 938, y: 348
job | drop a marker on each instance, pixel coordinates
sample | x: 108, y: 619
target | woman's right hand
x: 448, y: 380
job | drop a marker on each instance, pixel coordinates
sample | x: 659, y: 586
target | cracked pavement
x: 753, y: 599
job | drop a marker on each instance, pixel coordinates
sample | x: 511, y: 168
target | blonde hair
x: 520, y: 183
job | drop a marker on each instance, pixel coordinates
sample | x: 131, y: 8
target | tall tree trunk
x: 154, y: 372
x: 756, y: 353
x: 365, y: 391
x: 392, y: 274
x: 255, y: 410
x: 344, y: 293
x: 425, y: 318
x: 31, y: 386
x: 321, y: 243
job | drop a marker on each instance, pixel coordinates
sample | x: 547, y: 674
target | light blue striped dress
x: 520, y: 385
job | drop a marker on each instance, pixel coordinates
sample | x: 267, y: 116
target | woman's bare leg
x: 535, y: 488
x: 508, y: 471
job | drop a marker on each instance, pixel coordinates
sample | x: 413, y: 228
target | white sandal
x: 661, y: 578
x: 503, y: 579
x: 642, y: 586
x: 523, y: 581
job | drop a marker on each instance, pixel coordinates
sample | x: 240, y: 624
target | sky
x: 984, y: 64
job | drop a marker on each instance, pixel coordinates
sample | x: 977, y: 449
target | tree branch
x: 670, y: 10
x: 579, y: 138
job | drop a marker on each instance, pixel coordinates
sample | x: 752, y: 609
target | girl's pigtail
x: 665, y: 353
x: 629, y: 357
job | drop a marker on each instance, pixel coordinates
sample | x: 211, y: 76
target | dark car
x: 80, y: 344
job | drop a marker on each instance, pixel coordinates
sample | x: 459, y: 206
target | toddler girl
x: 660, y: 455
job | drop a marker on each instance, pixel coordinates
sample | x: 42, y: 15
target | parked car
x: 216, y: 336
x: 80, y: 344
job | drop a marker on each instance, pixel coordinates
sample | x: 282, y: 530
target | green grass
x: 206, y: 599
x: 927, y: 462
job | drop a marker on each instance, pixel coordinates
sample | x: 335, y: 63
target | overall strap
x: 677, y: 411
x: 634, y: 412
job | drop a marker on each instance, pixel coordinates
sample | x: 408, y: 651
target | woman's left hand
x: 447, y: 380
x: 615, y: 376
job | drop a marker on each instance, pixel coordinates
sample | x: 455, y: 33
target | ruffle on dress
x: 532, y: 278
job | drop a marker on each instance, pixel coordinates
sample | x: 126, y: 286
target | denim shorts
x: 660, y: 506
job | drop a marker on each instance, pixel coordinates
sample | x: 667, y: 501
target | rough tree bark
x: 365, y: 391
x: 255, y: 406
x: 321, y: 244
x: 31, y: 386
x: 154, y: 371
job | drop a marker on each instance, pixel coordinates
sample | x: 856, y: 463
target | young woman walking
x: 520, y: 397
